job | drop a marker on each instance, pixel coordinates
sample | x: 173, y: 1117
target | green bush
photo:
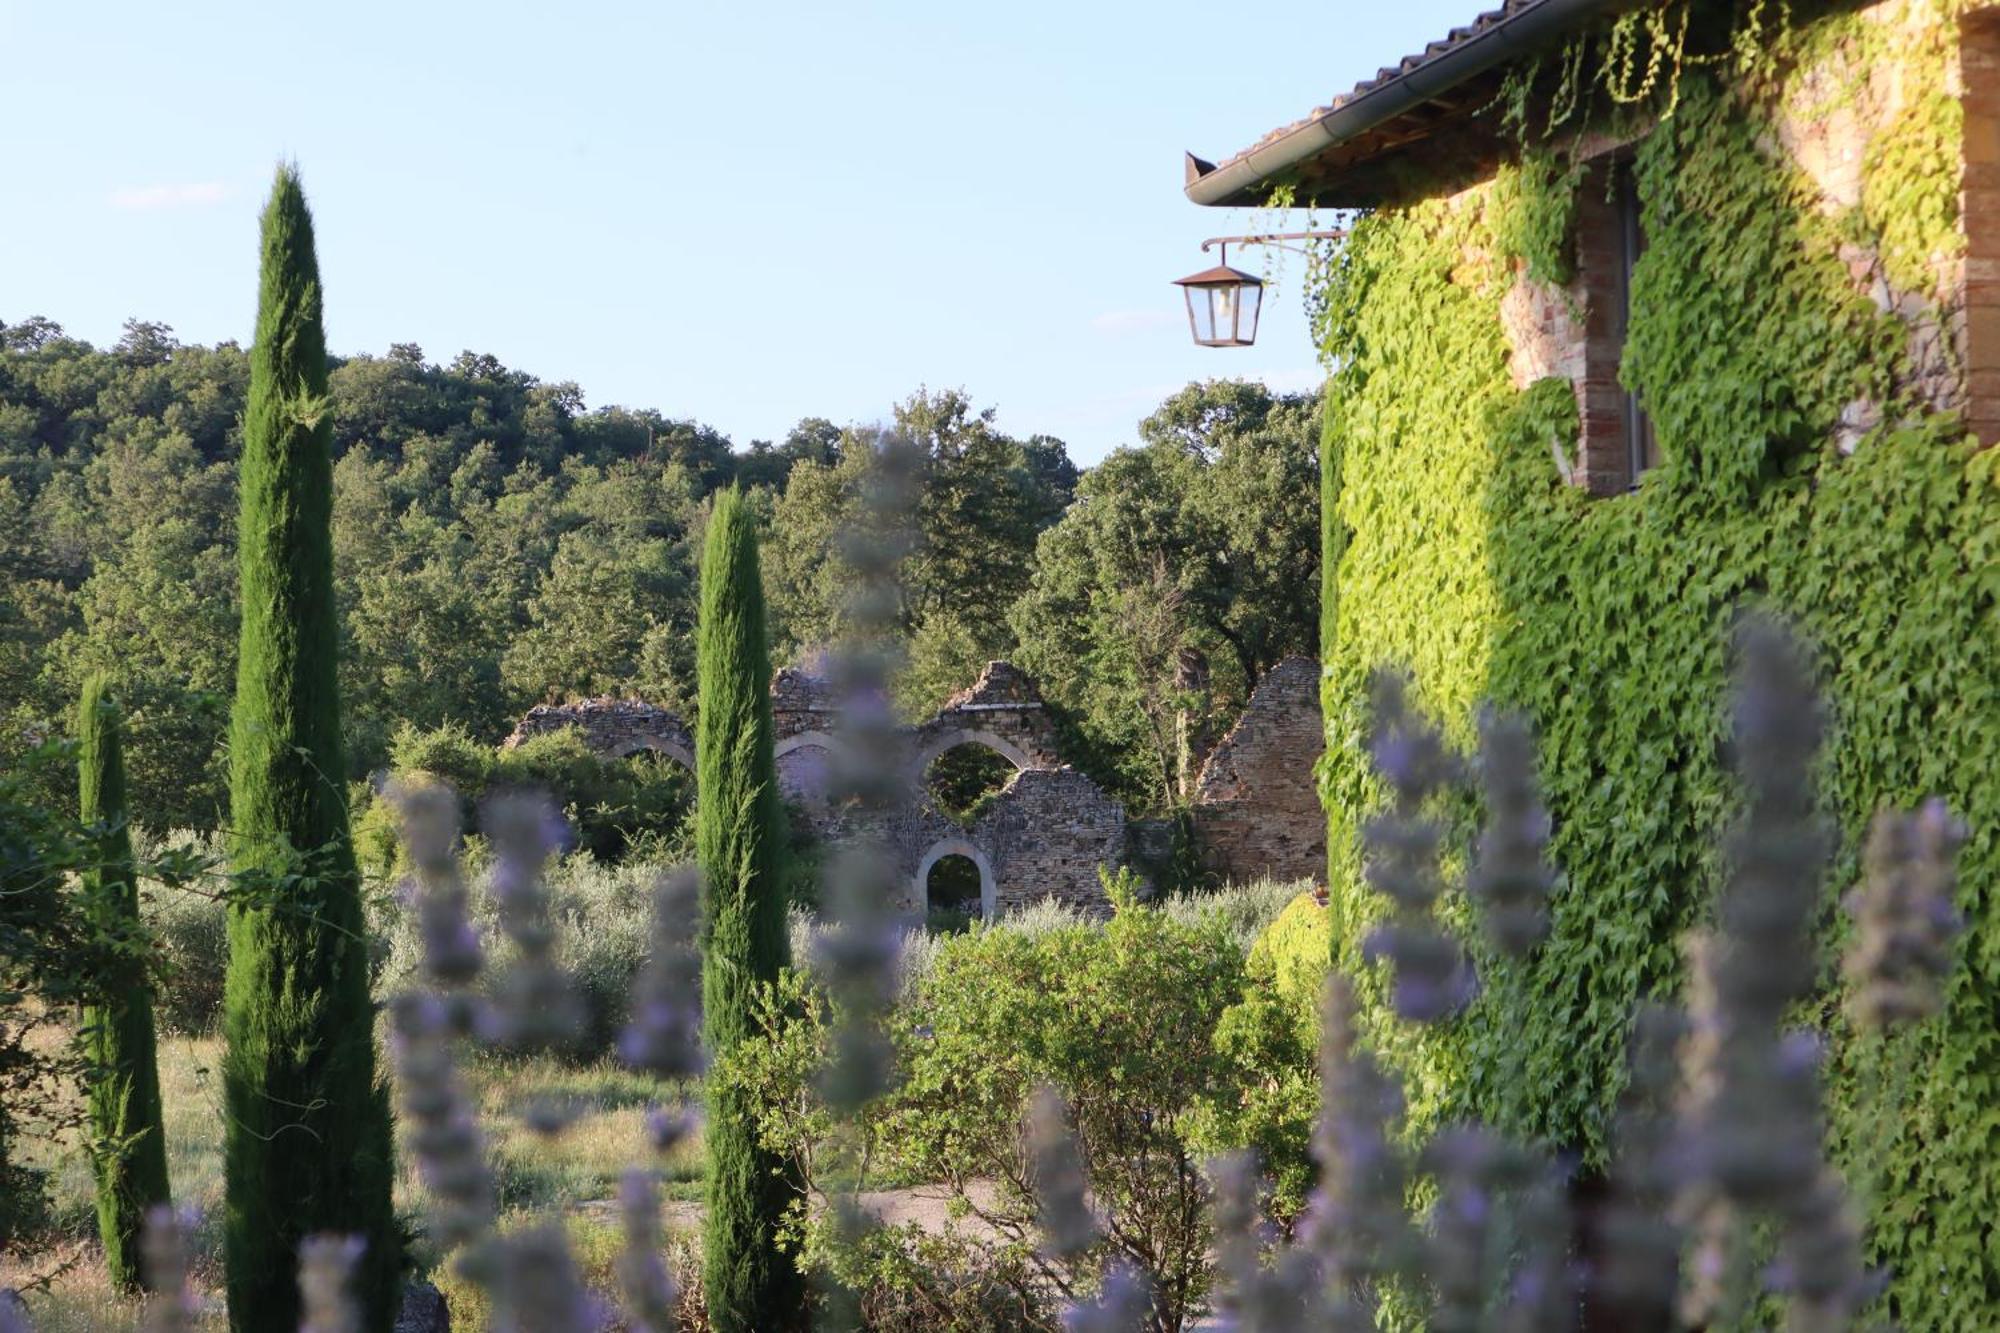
x: 638, y: 806
x: 1118, y: 1016
x: 1272, y: 1036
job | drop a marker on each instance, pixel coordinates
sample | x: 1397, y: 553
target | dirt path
x: 929, y: 1206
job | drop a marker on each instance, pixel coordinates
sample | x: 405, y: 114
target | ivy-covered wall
x: 1773, y: 309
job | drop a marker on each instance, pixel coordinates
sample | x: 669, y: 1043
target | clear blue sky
x: 744, y: 213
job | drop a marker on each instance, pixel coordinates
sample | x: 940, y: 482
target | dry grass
x: 69, y: 1292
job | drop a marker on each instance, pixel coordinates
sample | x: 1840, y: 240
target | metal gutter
x: 1502, y: 40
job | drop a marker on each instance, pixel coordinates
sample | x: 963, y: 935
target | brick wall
x: 1979, y: 202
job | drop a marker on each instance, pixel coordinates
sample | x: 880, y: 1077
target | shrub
x: 1117, y: 1016
x: 1245, y: 909
x: 1271, y: 1034
x: 190, y: 934
x: 633, y: 807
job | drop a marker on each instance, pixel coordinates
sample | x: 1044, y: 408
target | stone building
x: 1643, y: 318
x: 1049, y: 829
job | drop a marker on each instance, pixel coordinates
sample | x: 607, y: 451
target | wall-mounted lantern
x: 1223, y: 302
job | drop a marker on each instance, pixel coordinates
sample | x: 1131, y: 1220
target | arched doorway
x: 641, y: 800
x: 955, y: 876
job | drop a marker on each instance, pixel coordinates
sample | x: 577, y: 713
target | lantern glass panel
x: 1201, y: 312
x: 1225, y: 313
x: 1249, y: 300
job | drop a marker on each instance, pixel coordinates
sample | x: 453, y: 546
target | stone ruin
x: 1256, y: 808
x: 1046, y: 833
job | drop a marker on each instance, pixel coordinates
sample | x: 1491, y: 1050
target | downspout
x: 1503, y: 40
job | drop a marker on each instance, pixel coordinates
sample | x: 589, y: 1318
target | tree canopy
x: 497, y: 543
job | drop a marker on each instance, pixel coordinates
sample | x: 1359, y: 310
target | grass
x: 535, y: 1176
x: 570, y: 1175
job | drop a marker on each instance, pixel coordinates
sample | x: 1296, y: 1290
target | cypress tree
x: 130, y: 1149
x: 751, y: 1286
x: 308, y: 1147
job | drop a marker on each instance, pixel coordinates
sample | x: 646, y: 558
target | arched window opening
x: 805, y: 772
x: 963, y: 779
x: 638, y: 804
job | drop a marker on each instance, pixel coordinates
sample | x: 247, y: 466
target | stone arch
x: 951, y: 740
x: 672, y: 749
x: 920, y: 887
x: 801, y: 778
x: 806, y: 740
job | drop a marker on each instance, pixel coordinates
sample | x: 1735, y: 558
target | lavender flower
x: 664, y: 1034
x: 1541, y: 1295
x: 1287, y: 1295
x: 444, y: 1132
x: 535, y: 1004
x: 1122, y: 1305
x: 539, y: 1288
x: 1432, y: 979
x: 1510, y: 877
x: 428, y: 817
x: 860, y: 951
x: 1355, y: 1221
x: 650, y: 1294
x: 326, y: 1268
x: 1752, y: 1121
x: 1820, y: 1265
x: 173, y: 1306
x: 858, y: 954
x: 1240, y: 1239
x: 13, y: 1312
x: 1905, y: 920
x: 1642, y: 1243
x: 1472, y: 1167
x: 1057, y: 1177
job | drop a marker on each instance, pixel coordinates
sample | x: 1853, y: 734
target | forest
x: 498, y: 543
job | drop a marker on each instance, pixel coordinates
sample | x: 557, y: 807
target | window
x: 1616, y: 436
x: 1642, y: 448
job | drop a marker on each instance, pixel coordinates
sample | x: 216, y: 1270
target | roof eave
x: 1246, y: 179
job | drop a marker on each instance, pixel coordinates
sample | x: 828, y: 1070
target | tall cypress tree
x: 309, y: 1146
x: 130, y: 1149
x: 741, y: 837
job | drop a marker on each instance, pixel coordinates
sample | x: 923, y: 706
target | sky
x: 742, y: 213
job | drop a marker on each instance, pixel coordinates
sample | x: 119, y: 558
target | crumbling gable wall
x: 1256, y: 809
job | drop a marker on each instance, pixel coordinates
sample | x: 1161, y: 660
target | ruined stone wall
x: 1050, y: 831
x: 612, y: 727
x: 1047, y: 833
x: 1256, y: 810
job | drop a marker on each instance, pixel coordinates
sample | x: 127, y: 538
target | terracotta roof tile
x: 1390, y: 73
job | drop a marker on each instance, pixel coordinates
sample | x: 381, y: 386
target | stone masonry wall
x: 1047, y: 833
x: 1574, y: 331
x: 1050, y: 831
x: 1256, y: 809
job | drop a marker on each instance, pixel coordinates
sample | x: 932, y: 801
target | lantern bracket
x: 1276, y: 240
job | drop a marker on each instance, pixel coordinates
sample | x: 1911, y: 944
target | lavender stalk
x: 326, y: 1270
x: 173, y: 1306
x: 1432, y: 978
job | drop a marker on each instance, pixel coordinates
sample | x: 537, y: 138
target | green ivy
x: 1535, y: 212
x: 1456, y: 551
